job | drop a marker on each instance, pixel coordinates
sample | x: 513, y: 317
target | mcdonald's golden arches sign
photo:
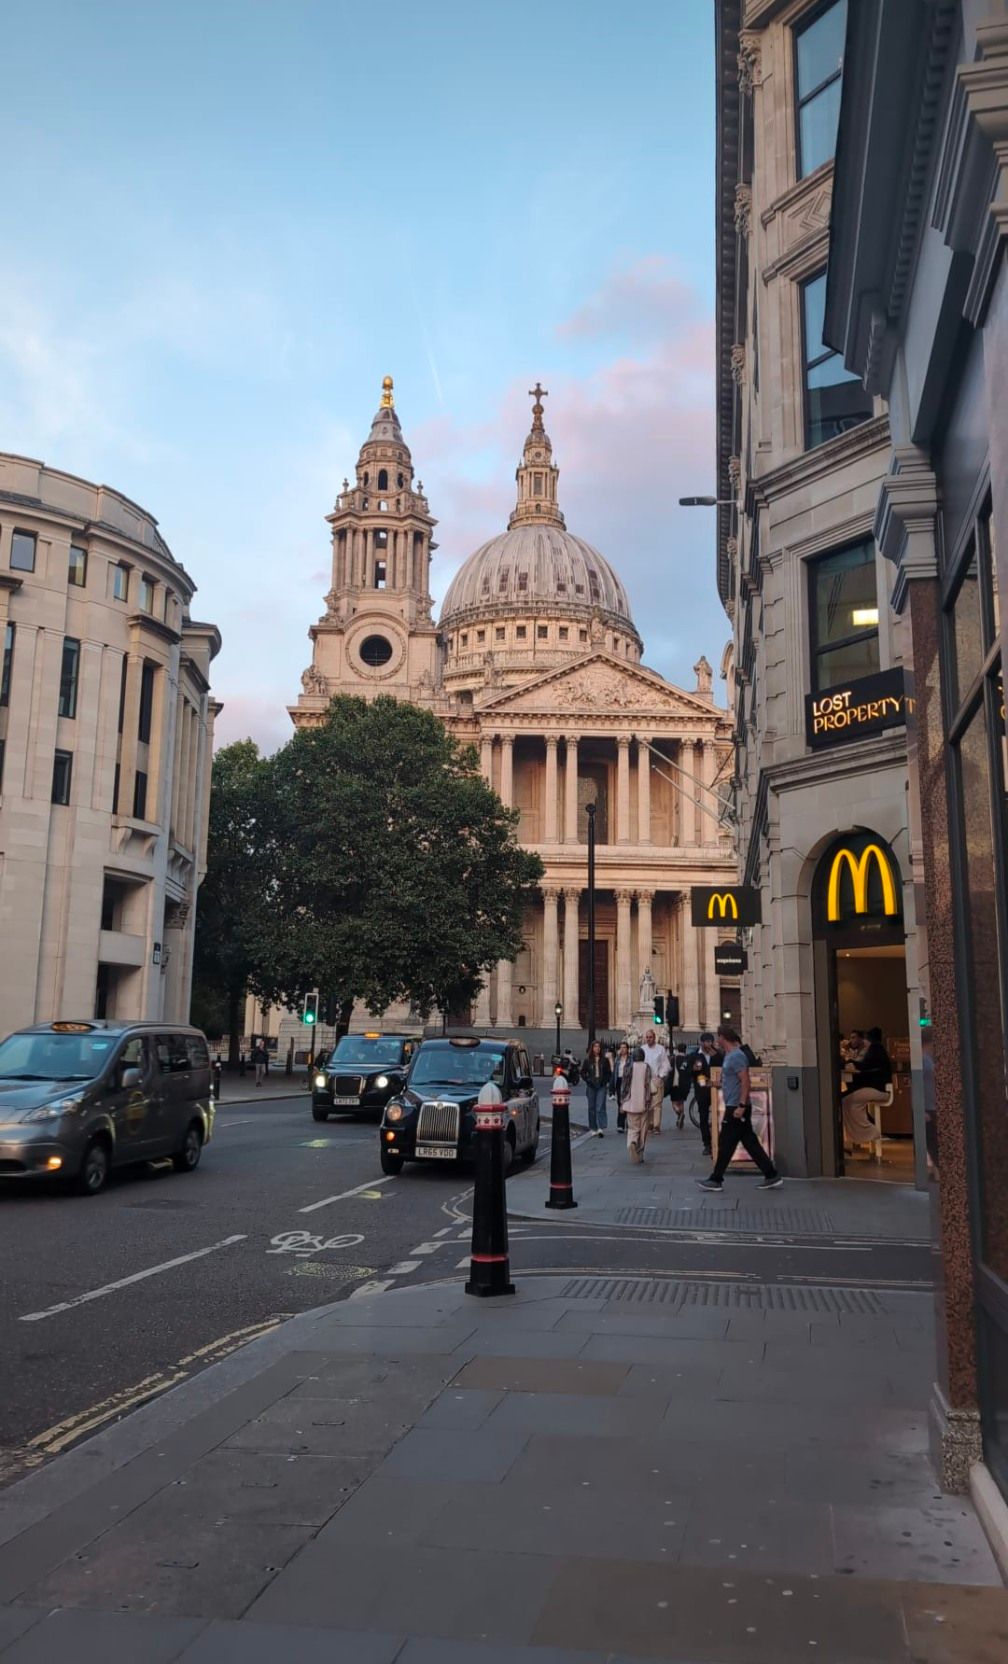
x: 715, y: 906
x: 859, y: 879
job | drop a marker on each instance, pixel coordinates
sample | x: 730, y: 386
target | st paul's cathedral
x: 536, y: 661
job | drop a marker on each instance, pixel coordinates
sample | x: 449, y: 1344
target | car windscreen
x: 55, y: 1056
x: 356, y: 1051
x: 456, y: 1066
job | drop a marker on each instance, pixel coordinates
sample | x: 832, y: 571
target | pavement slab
x: 97, y: 1637
x: 245, y: 1643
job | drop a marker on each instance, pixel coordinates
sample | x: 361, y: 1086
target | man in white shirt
x: 657, y: 1059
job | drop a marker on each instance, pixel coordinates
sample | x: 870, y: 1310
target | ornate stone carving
x: 313, y: 681
x: 738, y: 363
x: 731, y: 549
x: 749, y: 60
x: 596, y: 629
x: 734, y: 472
x: 743, y: 209
x: 704, y: 673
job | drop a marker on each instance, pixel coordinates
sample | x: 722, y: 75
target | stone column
x: 507, y: 770
x: 643, y: 793
x: 690, y: 993
x: 486, y: 758
x: 572, y: 902
x: 504, y: 1014
x: 482, y: 1013
x: 570, y: 792
x: 550, y: 985
x: 550, y: 817
x: 644, y: 942
x: 624, y: 1001
x: 696, y: 770
x: 623, y: 788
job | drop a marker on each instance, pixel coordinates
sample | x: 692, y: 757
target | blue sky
x: 227, y: 221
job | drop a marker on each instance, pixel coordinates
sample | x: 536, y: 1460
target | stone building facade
x: 918, y: 308
x: 819, y: 655
x: 106, y: 729
x: 536, y: 662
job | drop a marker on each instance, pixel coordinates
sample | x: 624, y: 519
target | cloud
x: 636, y: 303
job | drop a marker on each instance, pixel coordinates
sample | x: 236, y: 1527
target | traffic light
x: 659, y: 1009
x: 672, y: 1010
x: 309, y: 1014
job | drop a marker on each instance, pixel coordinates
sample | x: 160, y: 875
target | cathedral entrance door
x: 601, y: 985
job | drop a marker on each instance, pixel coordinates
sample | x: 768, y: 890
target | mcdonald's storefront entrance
x: 860, y: 960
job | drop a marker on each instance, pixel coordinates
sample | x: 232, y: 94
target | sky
x: 228, y: 220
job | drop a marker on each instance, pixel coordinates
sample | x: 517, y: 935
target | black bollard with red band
x: 490, y: 1263
x: 561, y: 1173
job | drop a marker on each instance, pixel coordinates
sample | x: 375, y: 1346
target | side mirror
x: 526, y: 1083
x: 130, y: 1077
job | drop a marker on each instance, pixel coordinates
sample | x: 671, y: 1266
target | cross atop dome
x: 537, y: 473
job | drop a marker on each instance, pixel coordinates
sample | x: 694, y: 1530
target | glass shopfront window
x: 844, y: 616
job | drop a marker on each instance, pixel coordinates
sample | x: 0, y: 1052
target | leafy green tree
x: 233, y: 893
x: 394, y: 870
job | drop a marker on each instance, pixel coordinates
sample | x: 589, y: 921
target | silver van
x: 79, y: 1098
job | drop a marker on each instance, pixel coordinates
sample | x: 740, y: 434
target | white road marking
x: 443, y: 1232
x: 378, y: 1286
x: 124, y: 1282
x: 403, y: 1269
x: 427, y: 1248
x: 220, y: 1123
x: 304, y: 1244
x: 358, y: 1190
x: 463, y: 1265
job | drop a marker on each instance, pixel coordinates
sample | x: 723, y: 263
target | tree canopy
x: 386, y: 868
x: 231, y: 894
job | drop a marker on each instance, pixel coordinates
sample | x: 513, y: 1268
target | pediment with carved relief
x: 597, y: 687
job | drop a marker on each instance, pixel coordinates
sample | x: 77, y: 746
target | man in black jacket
x: 698, y: 1068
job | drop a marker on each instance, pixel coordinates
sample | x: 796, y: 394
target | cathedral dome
x: 536, y: 568
x: 537, y: 575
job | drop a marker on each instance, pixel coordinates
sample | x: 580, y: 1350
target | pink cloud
x: 637, y: 302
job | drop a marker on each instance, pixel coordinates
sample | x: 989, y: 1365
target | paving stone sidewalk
x: 595, y: 1470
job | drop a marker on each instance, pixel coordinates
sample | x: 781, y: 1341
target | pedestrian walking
x: 597, y: 1076
x: 737, y: 1127
x: 620, y: 1083
x: 699, y: 1065
x: 638, y: 1105
x: 678, y: 1083
x: 260, y: 1059
x: 657, y: 1060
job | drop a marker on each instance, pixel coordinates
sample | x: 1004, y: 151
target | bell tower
x: 376, y: 634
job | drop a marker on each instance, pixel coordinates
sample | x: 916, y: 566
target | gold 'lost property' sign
x: 857, y: 709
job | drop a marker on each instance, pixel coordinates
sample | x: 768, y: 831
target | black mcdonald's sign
x: 715, y: 906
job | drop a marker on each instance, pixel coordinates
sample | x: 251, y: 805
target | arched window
x: 399, y: 481
x: 367, y: 479
x: 383, y: 479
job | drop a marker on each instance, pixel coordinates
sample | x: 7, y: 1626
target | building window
x: 522, y: 582
x: 69, y: 674
x: 380, y: 571
x: 563, y: 632
x: 464, y: 638
x: 383, y: 479
x: 146, y: 597
x: 22, y: 555
x: 115, y: 788
x: 480, y: 635
x: 122, y: 692
x: 835, y: 400
x: 542, y: 631
x: 582, y: 635
x: 521, y: 631
x: 146, y: 713
x: 77, y: 571
x: 499, y: 633
x: 844, y: 615
x: 140, y: 795
x: 61, y: 774
x: 8, y: 662
x: 819, y: 49
x: 3, y: 744
x: 120, y: 582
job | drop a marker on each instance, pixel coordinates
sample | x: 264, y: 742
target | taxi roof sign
x: 72, y: 1028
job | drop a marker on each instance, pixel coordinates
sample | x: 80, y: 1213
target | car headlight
x: 53, y: 1111
x: 320, y: 1082
x: 381, y: 1081
x: 394, y: 1112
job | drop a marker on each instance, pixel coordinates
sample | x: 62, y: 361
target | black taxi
x: 431, y: 1119
x: 361, y: 1074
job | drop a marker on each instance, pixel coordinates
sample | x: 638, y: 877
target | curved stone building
x: 106, y: 725
x: 536, y: 661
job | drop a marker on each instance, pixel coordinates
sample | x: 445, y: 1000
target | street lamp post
x: 591, y: 807
x: 558, y: 1013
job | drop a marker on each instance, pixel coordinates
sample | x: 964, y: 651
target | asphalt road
x: 111, y: 1300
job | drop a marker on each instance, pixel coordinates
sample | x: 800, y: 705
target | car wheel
x: 318, y: 1113
x: 94, y: 1169
x: 187, y: 1159
x: 509, y: 1151
x: 391, y: 1163
x: 528, y: 1156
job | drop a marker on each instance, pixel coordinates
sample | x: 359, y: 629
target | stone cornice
x: 823, y: 459
x: 906, y: 520
x: 9, y: 581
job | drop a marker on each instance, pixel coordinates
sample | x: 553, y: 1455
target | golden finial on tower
x: 387, y: 401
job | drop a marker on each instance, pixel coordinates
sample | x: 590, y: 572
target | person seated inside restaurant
x: 867, y: 1082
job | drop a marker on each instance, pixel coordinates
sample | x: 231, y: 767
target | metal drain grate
x: 809, y: 1220
x: 765, y: 1297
